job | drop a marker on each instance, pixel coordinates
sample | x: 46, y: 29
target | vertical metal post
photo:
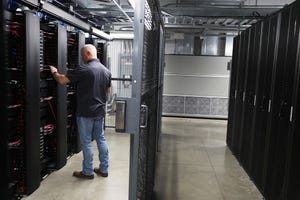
x: 136, y: 95
x: 32, y: 99
x: 160, y: 87
x: 81, y: 43
x: 61, y: 112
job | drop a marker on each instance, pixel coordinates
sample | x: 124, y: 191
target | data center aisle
x: 195, y: 163
x: 61, y: 185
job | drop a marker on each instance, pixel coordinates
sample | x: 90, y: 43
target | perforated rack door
x: 144, y: 109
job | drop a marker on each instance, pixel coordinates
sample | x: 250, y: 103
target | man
x: 93, y: 83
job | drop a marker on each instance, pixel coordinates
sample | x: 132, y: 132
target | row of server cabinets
x: 39, y: 124
x: 264, y: 107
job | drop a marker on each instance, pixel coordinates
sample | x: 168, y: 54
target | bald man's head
x: 88, y: 52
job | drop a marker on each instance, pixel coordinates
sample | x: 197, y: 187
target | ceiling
x: 204, y: 16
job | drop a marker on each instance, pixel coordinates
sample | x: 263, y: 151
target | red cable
x: 48, y: 99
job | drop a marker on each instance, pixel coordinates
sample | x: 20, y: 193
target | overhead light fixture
x: 132, y: 3
x: 124, y: 35
x: 101, y: 34
x: 87, y: 35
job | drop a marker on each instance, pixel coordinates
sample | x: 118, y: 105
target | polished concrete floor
x: 193, y: 164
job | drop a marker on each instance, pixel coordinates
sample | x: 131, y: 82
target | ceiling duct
x: 213, y: 2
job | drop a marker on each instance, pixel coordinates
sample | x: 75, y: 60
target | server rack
x: 48, y: 99
x: 76, y: 41
x: 248, y: 95
x: 278, y: 122
x: 265, y: 104
x: 36, y: 138
x: 268, y: 132
x: 232, y: 93
x: 22, y: 96
x: 260, y: 110
x: 244, y: 40
x: 53, y: 99
x: 292, y: 173
x: 263, y: 89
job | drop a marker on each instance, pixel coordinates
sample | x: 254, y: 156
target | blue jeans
x: 89, y: 128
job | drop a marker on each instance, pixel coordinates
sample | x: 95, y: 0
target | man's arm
x: 60, y: 78
x: 108, y: 90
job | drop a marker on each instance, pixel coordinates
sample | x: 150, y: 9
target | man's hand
x: 60, y: 78
x: 53, y: 69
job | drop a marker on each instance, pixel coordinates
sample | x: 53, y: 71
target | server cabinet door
x: 278, y: 120
x: 76, y: 40
x: 265, y: 84
x: 261, y: 107
x: 248, y: 105
x: 292, y: 78
x: 233, y: 79
x: 53, y: 98
x: 244, y: 40
x: 254, y: 80
x: 143, y: 107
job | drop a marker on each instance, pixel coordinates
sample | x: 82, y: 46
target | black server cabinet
x: 260, y: 110
x: 233, y: 77
x: 249, y: 95
x: 263, y: 131
x: 292, y: 175
x: 244, y: 40
x: 282, y: 81
x: 53, y: 106
x: 292, y: 169
x: 265, y: 86
x: 76, y: 40
x: 252, y: 97
x: 22, y: 96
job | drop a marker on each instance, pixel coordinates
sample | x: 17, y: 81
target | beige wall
x: 196, y: 76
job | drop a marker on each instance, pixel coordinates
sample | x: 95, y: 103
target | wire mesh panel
x: 149, y: 90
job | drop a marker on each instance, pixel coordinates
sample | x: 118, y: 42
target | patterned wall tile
x: 204, y: 105
x: 191, y: 105
x: 219, y: 106
x: 173, y: 104
x: 195, y: 105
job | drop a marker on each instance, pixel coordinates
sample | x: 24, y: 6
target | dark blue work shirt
x: 92, y: 80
